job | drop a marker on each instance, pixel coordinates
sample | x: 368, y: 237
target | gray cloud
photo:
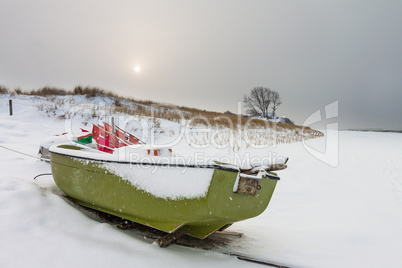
x: 208, y: 54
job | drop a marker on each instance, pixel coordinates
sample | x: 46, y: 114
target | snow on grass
x: 319, y: 216
x: 147, y: 121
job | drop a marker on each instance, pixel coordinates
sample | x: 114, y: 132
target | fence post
x: 11, y: 106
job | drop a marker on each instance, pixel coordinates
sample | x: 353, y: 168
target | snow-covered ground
x: 319, y: 216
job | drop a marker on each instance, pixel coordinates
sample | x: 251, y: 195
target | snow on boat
x: 151, y: 187
x: 82, y: 137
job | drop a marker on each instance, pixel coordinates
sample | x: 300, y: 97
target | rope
x: 18, y: 152
x: 43, y: 174
x: 19, y: 103
x: 30, y: 105
x: 37, y: 157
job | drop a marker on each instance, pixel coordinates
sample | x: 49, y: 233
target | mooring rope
x: 37, y: 157
x: 43, y: 174
x: 18, y: 152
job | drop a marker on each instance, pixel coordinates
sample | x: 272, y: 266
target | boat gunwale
x: 149, y: 163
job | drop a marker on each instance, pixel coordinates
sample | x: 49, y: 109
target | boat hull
x: 90, y: 184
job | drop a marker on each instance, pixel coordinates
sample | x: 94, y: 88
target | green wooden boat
x: 195, y: 199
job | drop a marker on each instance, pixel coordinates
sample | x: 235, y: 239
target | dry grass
x: 4, y: 90
x: 48, y: 91
x: 91, y: 92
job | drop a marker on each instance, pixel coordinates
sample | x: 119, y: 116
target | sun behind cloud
x: 137, y: 69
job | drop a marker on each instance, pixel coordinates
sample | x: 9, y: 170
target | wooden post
x: 113, y: 127
x: 11, y: 106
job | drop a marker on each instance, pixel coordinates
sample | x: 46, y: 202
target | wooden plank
x: 229, y: 233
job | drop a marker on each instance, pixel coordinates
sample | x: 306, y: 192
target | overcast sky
x: 209, y: 53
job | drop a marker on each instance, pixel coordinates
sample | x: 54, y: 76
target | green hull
x: 89, y: 184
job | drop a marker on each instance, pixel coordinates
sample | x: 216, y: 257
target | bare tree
x: 276, y: 101
x: 258, y: 101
